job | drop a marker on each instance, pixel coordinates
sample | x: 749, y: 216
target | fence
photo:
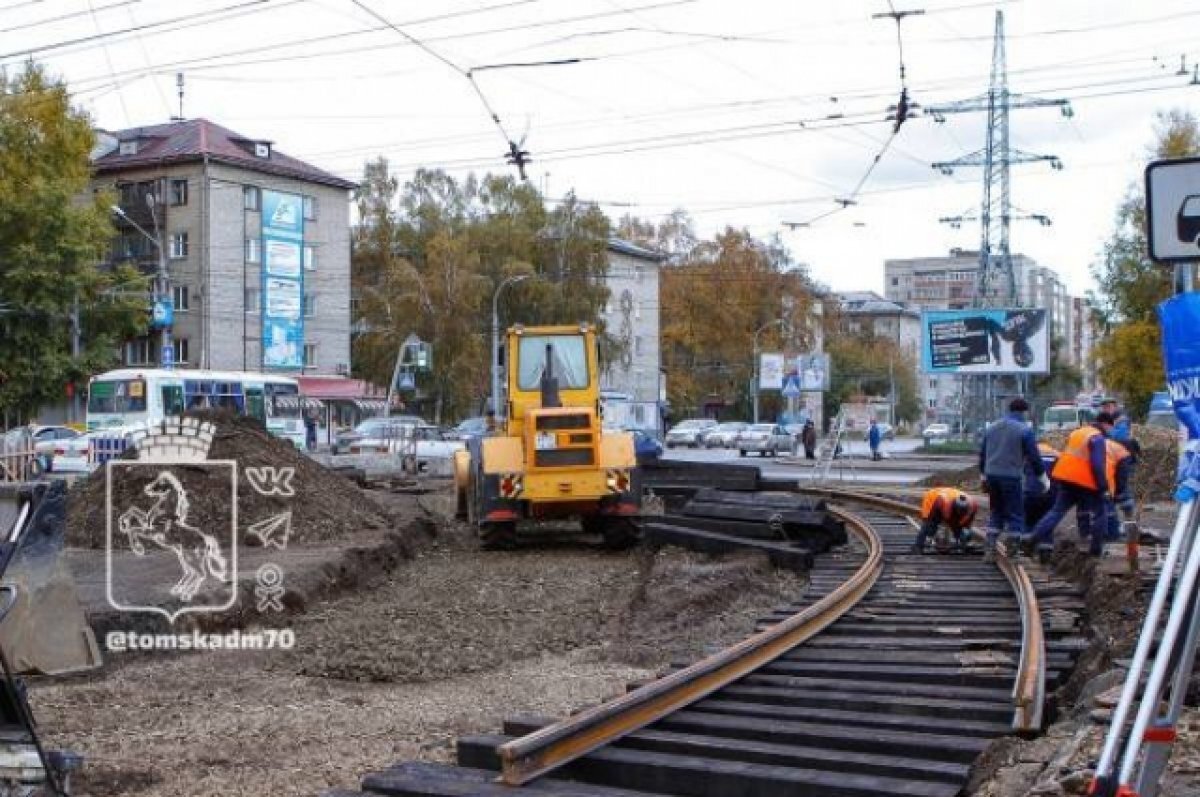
x: 18, y: 459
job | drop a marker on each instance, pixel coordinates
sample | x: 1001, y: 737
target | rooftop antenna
x: 179, y: 88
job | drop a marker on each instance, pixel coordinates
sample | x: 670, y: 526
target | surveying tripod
x: 1134, y: 759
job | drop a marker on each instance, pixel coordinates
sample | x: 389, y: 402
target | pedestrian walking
x: 1085, y: 480
x: 874, y: 438
x: 808, y: 438
x: 1007, y: 449
x: 950, y: 506
x: 310, y: 429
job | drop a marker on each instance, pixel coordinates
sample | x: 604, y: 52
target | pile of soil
x: 325, y: 506
x: 1158, y: 463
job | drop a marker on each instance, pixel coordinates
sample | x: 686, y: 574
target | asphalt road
x: 854, y: 468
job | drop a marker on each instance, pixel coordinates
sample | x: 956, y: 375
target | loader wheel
x: 462, y: 502
x: 621, y: 533
x: 498, y: 536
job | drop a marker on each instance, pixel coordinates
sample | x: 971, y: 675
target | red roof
x: 194, y: 139
x: 337, y: 387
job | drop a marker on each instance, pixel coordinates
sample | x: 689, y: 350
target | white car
x: 433, y: 450
x: 764, y: 438
x: 936, y: 431
x: 690, y: 433
x: 725, y: 435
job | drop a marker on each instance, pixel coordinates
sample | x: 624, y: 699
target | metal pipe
x: 495, y: 397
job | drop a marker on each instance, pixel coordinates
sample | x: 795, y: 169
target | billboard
x: 813, y: 370
x: 770, y: 372
x: 282, y: 280
x: 985, y: 341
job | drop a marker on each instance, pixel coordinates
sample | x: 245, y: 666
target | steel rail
x: 1029, y: 686
x: 551, y: 747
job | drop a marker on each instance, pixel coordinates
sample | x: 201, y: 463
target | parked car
x: 690, y: 433
x: 645, y: 447
x: 936, y: 431
x: 373, y: 428
x: 765, y: 438
x: 471, y: 427
x: 724, y: 435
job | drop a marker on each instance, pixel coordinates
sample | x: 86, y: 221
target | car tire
x: 741, y: 453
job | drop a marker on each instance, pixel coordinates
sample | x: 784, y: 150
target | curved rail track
x: 890, y: 677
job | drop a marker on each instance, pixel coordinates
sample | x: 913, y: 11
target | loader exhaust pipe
x: 549, y: 385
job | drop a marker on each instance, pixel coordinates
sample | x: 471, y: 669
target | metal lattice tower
x: 996, y: 211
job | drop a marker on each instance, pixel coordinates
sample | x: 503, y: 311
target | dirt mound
x: 1154, y: 477
x: 686, y: 604
x: 325, y: 506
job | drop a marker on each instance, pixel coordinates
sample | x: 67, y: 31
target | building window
x: 310, y: 258
x: 251, y: 300
x: 181, y: 350
x: 251, y: 197
x: 179, y: 192
x: 310, y: 305
x: 127, y: 147
x: 895, y: 281
x: 180, y: 298
x: 179, y: 245
x: 253, y: 245
x: 137, y: 351
x: 262, y: 149
x: 310, y: 355
x: 310, y: 208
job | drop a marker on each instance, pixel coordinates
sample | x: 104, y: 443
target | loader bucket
x: 46, y: 633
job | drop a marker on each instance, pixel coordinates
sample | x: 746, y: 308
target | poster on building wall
x: 770, y: 372
x: 985, y: 341
x: 282, y: 280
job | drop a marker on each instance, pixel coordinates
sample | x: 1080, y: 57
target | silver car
x: 764, y: 438
x: 690, y: 433
x: 725, y: 435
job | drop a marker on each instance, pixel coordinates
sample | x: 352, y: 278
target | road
x: 855, y: 468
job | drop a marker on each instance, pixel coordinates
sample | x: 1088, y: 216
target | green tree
x: 1130, y: 286
x: 53, y: 236
x: 863, y: 366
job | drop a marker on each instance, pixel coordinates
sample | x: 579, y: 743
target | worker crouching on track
x: 1085, y: 481
x: 950, y: 506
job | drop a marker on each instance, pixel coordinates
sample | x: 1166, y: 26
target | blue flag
x: 1180, y: 317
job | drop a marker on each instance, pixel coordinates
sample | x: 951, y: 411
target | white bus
x: 129, y: 396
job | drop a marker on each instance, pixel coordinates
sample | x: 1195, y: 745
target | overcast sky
x: 749, y: 113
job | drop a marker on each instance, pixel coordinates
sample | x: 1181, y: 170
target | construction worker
x: 1083, y: 479
x: 874, y: 438
x: 950, y: 506
x: 1120, y: 459
x: 1039, y: 490
x: 1007, y: 451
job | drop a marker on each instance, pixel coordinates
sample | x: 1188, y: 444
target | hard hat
x: 962, y: 503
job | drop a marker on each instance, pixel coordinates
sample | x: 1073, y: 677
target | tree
x: 1130, y: 285
x: 53, y: 237
x: 713, y: 301
x: 864, y: 365
x: 429, y: 256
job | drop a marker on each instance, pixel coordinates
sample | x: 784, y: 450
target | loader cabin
x: 554, y: 372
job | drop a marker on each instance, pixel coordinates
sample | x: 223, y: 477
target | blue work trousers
x: 1090, y: 515
x: 1006, y: 494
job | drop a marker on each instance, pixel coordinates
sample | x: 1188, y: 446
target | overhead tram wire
x: 37, y: 23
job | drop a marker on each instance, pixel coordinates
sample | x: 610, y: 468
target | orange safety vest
x: 948, y: 494
x: 1074, y: 466
x: 1114, y: 452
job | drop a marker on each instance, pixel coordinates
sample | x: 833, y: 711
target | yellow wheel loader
x: 548, y: 456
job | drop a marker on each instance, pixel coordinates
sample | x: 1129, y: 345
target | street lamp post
x: 162, y: 279
x: 754, y: 387
x: 496, y: 339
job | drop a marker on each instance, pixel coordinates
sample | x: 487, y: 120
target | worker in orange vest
x: 1086, y: 482
x: 950, y: 506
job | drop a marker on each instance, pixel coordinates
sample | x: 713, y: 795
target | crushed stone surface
x: 450, y: 644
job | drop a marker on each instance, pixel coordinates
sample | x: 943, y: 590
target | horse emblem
x: 165, y: 524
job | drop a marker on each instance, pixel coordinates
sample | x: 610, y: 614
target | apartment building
x: 631, y: 315
x: 201, y: 190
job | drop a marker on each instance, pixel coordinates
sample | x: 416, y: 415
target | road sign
x: 791, y: 386
x: 407, y: 381
x: 168, y: 356
x: 1173, y: 210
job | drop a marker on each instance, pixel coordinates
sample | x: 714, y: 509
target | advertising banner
x: 770, y: 372
x: 985, y: 341
x: 282, y: 280
x: 1180, y: 319
x: 813, y: 370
